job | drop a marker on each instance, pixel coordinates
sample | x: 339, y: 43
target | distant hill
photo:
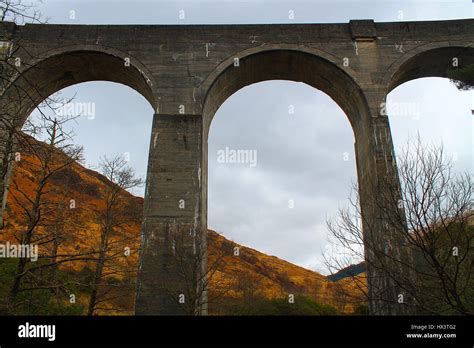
x: 270, y: 277
x: 349, y: 271
x: 252, y: 273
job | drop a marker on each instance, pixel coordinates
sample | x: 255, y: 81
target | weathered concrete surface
x: 187, y: 72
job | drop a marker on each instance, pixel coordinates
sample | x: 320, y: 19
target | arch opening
x: 295, y: 145
x: 75, y: 197
x: 290, y: 65
x: 430, y: 115
x: 282, y: 67
x: 428, y: 72
x: 101, y: 125
x: 436, y: 111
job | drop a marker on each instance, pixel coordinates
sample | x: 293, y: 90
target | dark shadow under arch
x: 59, y: 71
x: 435, y: 62
x: 291, y: 65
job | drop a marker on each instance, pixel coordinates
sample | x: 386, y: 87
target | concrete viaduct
x: 187, y: 71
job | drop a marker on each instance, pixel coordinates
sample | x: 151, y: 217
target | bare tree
x: 341, y: 297
x: 19, y: 11
x: 46, y: 160
x: 114, y: 238
x: 193, y: 272
x: 61, y: 228
x: 19, y: 95
x: 435, y: 226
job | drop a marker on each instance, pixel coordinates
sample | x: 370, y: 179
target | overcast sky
x: 304, y: 159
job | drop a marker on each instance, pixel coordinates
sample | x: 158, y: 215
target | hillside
x: 251, y: 274
x: 270, y: 277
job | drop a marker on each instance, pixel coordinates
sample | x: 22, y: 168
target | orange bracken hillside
x: 270, y: 276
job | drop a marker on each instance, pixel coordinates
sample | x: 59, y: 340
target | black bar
x: 348, y: 330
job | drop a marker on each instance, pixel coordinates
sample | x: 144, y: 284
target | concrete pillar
x: 386, y: 251
x: 172, y: 249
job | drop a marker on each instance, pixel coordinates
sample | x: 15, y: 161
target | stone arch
x: 44, y: 74
x: 314, y: 67
x: 319, y: 71
x: 57, y: 69
x: 430, y: 60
